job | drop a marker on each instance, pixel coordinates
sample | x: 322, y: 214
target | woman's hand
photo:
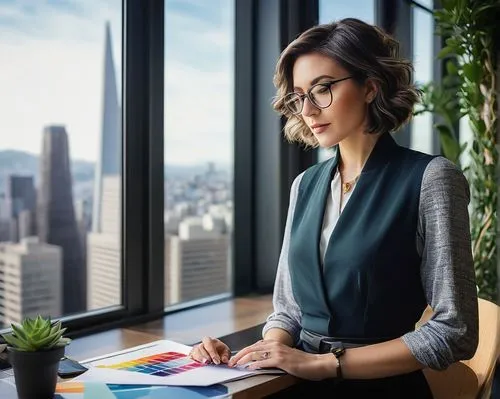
x: 211, y: 350
x: 270, y: 353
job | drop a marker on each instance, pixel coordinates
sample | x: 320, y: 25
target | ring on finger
x: 261, y: 355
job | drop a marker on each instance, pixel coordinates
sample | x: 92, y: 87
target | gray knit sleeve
x: 287, y: 314
x: 447, y: 270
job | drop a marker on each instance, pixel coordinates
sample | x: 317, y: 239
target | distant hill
x: 12, y: 161
x: 26, y: 164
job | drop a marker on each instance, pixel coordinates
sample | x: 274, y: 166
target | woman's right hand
x: 210, y: 350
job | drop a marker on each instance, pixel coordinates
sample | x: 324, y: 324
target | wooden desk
x: 237, y: 322
x: 119, y: 339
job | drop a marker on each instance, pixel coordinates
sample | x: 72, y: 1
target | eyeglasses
x: 320, y: 95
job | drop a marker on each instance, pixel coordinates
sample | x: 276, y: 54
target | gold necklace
x: 348, y: 185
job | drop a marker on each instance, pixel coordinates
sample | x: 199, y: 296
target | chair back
x: 473, y: 378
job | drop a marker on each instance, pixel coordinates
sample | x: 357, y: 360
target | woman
x: 373, y: 234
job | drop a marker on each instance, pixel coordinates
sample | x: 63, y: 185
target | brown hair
x: 366, y: 52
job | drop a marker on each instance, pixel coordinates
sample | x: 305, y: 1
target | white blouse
x: 333, y: 211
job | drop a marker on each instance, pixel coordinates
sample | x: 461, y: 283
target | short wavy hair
x: 366, y: 52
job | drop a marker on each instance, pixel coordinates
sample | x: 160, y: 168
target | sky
x: 52, y: 56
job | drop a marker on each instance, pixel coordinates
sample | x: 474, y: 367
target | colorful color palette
x: 161, y: 365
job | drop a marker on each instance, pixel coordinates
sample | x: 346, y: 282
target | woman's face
x: 347, y: 113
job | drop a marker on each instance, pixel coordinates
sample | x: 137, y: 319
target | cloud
x: 199, y: 76
x: 52, y: 69
x: 198, y: 115
x: 71, y: 21
x: 204, y: 36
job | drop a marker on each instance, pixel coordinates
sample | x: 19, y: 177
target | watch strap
x: 338, y: 352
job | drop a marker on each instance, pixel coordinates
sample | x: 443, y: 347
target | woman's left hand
x: 270, y: 353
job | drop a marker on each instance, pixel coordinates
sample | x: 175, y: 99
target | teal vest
x: 370, y: 285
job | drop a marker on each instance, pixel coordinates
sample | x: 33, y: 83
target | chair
x: 473, y: 378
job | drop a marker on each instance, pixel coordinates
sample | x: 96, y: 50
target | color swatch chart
x: 161, y: 365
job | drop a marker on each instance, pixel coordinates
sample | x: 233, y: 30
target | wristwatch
x: 338, y: 351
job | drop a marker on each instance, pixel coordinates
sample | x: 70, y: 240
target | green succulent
x: 36, y: 334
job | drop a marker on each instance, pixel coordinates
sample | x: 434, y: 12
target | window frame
x: 142, y: 239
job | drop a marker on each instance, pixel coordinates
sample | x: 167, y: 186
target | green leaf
x: 450, y: 145
x: 53, y: 342
x: 17, y: 343
x: 39, y: 333
x: 56, y: 327
x: 472, y: 72
x: 45, y: 332
x: 445, y: 51
x: 24, y: 341
x: 49, y: 341
x: 36, y: 323
x: 451, y: 68
x: 19, y: 332
x: 487, y: 7
x: 28, y: 325
x: 63, y: 342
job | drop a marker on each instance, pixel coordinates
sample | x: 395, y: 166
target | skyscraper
x: 25, y: 224
x: 21, y: 191
x: 104, y: 242
x: 56, y: 216
x: 21, y: 196
x: 103, y: 250
x: 109, y: 160
x: 5, y: 219
x: 196, y: 262
x: 30, y: 280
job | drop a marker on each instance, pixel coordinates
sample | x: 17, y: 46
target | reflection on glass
x: 60, y: 157
x: 335, y: 10
x: 466, y: 138
x: 423, y: 38
x: 198, y: 149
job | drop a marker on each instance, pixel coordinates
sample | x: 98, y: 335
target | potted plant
x: 34, y: 348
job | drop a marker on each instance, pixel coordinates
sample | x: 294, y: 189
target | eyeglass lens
x: 320, y: 95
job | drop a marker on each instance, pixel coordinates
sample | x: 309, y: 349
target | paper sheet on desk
x: 145, y: 360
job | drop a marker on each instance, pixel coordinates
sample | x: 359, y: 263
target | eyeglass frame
x: 307, y: 94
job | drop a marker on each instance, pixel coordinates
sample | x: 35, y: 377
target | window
x: 60, y: 155
x: 334, y: 10
x: 423, y: 62
x: 330, y: 11
x: 198, y: 149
